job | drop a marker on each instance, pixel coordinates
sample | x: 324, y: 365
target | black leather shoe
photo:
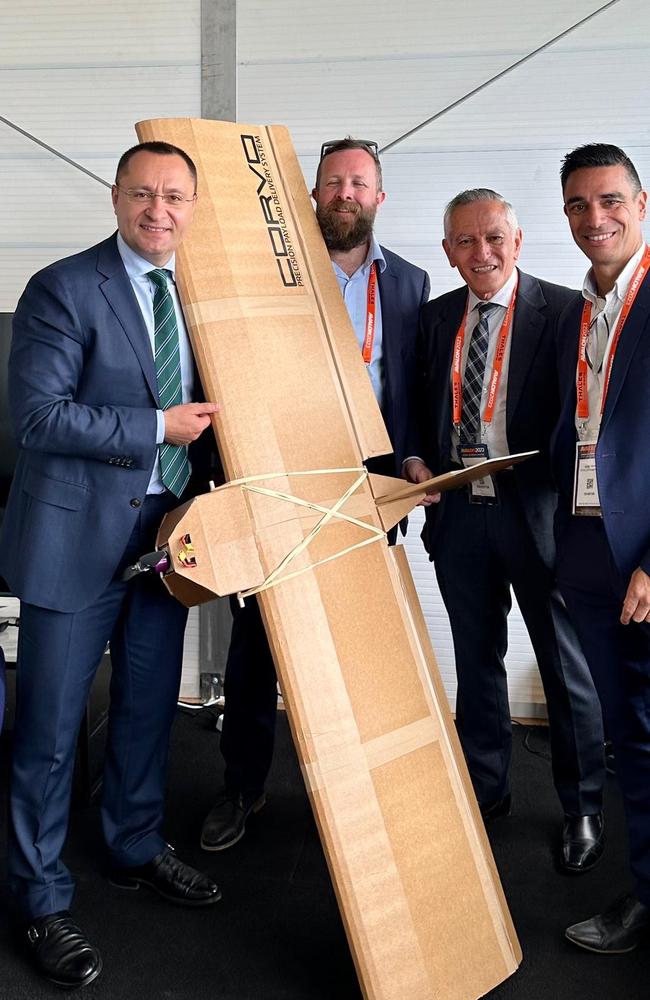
x: 61, y: 952
x: 615, y: 931
x: 225, y: 824
x: 170, y: 878
x: 500, y: 807
x: 583, y: 840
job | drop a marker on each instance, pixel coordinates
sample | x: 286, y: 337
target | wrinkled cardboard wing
x: 395, y: 498
x: 411, y: 866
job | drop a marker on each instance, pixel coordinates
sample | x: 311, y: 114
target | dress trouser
x: 58, y: 655
x: 619, y: 660
x: 251, y: 697
x: 480, y: 551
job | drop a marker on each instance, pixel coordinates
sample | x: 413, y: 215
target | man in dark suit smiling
x: 599, y: 455
x: 101, y: 383
x: 488, y: 388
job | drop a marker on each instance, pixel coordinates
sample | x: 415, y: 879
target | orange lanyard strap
x: 371, y: 309
x: 582, y: 369
x: 497, y: 364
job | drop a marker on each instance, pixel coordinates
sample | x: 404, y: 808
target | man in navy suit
x: 600, y: 460
x: 487, y: 389
x: 90, y: 487
x: 347, y: 193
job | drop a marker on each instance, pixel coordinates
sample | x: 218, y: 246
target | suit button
x: 135, y: 502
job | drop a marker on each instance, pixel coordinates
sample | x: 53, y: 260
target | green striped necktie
x: 174, y: 464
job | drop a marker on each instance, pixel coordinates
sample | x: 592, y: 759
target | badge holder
x: 586, y: 502
x: 482, y: 491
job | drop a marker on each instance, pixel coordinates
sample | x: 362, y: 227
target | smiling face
x: 347, y: 198
x: 605, y: 216
x: 154, y: 230
x: 482, y: 244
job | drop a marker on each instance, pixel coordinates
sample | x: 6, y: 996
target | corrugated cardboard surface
x: 416, y: 883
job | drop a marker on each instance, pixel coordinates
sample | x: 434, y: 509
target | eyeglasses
x: 142, y: 196
x: 367, y: 144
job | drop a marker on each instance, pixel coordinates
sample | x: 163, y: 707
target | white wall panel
x: 78, y: 76
x: 376, y: 70
x: 44, y: 33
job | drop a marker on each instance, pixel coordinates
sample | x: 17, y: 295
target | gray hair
x: 471, y: 195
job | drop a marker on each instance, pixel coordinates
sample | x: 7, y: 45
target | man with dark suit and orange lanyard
x: 487, y: 381
x: 383, y: 294
x: 599, y: 457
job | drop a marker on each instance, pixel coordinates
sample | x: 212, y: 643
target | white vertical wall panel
x: 375, y: 70
x: 78, y: 76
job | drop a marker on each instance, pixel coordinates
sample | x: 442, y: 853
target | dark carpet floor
x: 277, y: 934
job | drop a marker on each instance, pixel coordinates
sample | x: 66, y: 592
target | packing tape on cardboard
x: 329, y: 513
x: 255, y: 307
x: 334, y: 767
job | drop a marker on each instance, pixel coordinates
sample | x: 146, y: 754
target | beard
x: 341, y: 234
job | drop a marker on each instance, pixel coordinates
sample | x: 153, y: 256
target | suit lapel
x: 120, y: 296
x: 633, y: 330
x: 528, y: 326
x: 391, y: 327
x: 445, y: 332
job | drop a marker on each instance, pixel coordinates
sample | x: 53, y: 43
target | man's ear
x: 448, y: 251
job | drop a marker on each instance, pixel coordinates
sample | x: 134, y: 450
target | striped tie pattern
x: 474, y: 374
x: 174, y: 464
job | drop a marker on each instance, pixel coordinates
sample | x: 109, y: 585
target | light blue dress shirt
x: 355, y: 295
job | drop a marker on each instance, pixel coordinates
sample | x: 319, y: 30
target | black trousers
x: 619, y: 660
x: 480, y: 552
x: 250, y: 690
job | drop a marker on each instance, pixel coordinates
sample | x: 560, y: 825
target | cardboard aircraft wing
x: 298, y: 524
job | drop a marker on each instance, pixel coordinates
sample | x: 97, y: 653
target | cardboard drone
x: 302, y: 525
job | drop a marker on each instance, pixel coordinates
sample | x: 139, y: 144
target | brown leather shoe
x: 61, y: 952
x: 170, y: 878
x: 614, y: 932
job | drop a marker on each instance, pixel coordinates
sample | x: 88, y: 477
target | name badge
x: 481, y: 490
x: 586, y: 502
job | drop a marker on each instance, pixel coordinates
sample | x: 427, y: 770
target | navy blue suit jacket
x: 403, y: 290
x: 622, y: 462
x: 83, y: 399
x: 532, y: 402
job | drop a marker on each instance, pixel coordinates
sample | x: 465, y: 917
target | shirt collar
x: 374, y: 255
x: 500, y: 298
x: 136, y: 266
x: 619, y: 291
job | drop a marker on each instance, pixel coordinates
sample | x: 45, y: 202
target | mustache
x: 339, y: 205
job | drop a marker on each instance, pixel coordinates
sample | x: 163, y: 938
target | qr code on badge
x: 590, y: 483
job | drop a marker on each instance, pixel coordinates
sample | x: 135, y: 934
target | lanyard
x: 497, y: 364
x: 582, y: 370
x: 371, y: 307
